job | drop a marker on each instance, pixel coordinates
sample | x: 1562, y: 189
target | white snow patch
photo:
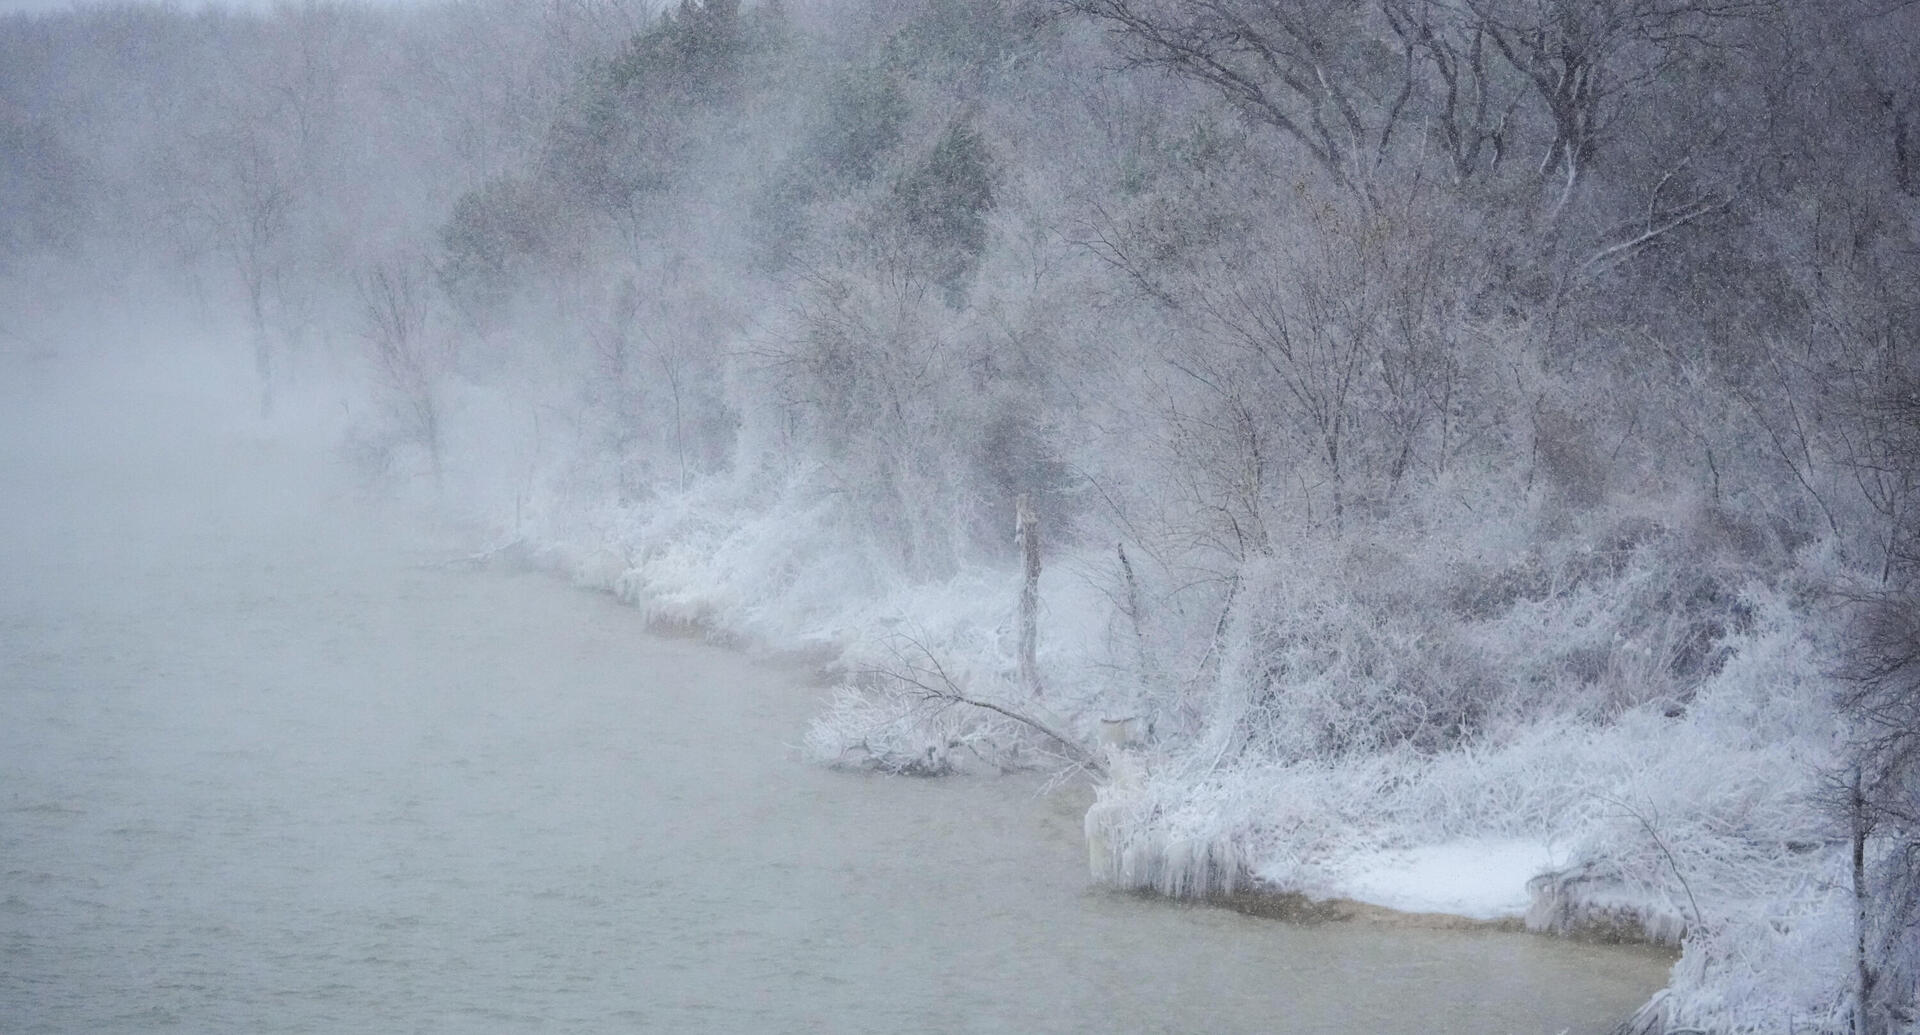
x: 1480, y: 879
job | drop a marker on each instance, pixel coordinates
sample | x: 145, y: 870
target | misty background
x: 1444, y: 418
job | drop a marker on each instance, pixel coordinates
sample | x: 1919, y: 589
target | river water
x: 267, y: 764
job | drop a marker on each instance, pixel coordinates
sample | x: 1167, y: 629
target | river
x: 267, y: 763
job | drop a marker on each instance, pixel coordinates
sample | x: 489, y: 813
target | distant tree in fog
x: 411, y: 356
x: 496, y: 234
x: 233, y: 193
x: 48, y: 188
x: 943, y: 202
x: 634, y: 123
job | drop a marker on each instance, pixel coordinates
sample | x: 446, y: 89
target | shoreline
x: 819, y: 666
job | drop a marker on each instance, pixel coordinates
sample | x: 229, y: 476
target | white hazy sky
x: 16, y: 6
x: 12, y: 6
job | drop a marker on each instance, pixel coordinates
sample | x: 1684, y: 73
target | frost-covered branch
x: 921, y: 670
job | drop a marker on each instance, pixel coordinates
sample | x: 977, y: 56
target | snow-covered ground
x: 1480, y: 879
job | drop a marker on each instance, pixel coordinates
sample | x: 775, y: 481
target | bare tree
x: 1297, y: 66
x: 410, y: 357
x: 1586, y: 58
x: 234, y: 193
x: 1346, y: 81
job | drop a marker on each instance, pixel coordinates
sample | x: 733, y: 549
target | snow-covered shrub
x: 1696, y: 823
x: 1773, y: 966
x: 1321, y: 666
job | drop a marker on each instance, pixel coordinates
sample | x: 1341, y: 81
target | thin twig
x: 1660, y: 843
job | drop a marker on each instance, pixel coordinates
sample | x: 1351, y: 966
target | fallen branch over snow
x: 516, y: 550
x: 929, y: 680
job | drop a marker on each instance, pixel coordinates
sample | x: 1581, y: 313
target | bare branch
x: 930, y: 678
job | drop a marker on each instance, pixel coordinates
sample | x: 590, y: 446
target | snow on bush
x: 1695, y: 824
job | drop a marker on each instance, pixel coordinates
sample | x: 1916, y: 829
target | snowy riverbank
x: 1693, y: 826
x: 1633, y: 825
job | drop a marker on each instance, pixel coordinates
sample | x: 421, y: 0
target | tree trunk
x: 1027, y: 532
x: 1862, y: 825
x: 1146, y: 673
x: 262, y: 346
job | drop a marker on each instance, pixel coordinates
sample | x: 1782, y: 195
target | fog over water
x: 268, y: 763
